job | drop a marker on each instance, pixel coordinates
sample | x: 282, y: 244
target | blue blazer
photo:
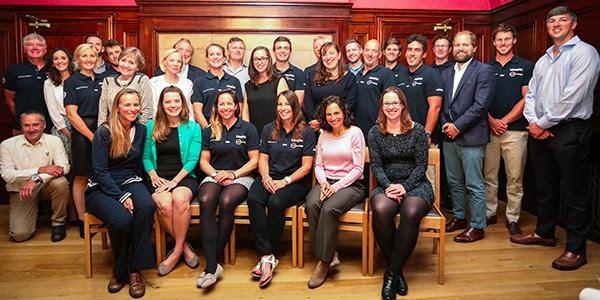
x: 468, y: 109
x: 193, y: 72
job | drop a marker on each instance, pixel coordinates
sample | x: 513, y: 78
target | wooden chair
x: 92, y: 225
x: 355, y: 220
x: 433, y: 225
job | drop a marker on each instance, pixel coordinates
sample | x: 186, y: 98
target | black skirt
x: 81, y: 149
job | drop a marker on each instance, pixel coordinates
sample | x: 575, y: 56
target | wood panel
x: 7, y: 52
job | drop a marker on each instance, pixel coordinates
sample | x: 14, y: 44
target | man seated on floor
x: 33, y: 164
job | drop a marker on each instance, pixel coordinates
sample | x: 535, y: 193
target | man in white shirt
x: 33, y: 165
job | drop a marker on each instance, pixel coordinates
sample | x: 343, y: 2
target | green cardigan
x: 190, y: 143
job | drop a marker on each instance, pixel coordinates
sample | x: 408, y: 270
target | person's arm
x: 245, y: 111
x: 299, y: 87
x: 147, y: 160
x: 517, y: 111
x: 78, y: 122
x: 375, y: 156
x: 10, y: 90
x: 357, y: 147
x: 147, y: 105
x: 60, y: 161
x: 53, y: 105
x: 103, y: 109
x: 421, y: 154
x: 191, y: 161
x: 205, y: 165
x: 482, y: 98
x: 433, y: 113
x: 100, y: 166
x: 8, y: 169
x: 319, y: 164
x: 350, y: 91
x: 198, y: 107
x: 282, y: 85
x: 9, y: 97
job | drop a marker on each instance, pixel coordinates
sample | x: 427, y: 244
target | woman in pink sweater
x: 339, y: 166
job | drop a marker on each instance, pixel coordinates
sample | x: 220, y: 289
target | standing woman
x: 262, y: 89
x: 207, y: 85
x: 339, y: 167
x: 82, y: 95
x: 229, y: 156
x: 331, y: 78
x: 286, y: 157
x: 117, y: 195
x: 171, y: 153
x: 399, y: 152
x: 131, y: 61
x: 61, y: 68
x: 171, y: 65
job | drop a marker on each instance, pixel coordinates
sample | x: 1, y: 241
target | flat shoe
x: 194, y: 261
x: 163, y: 269
x: 207, y: 279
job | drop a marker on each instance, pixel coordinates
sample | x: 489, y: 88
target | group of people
x: 132, y: 144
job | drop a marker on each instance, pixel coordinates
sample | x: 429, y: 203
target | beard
x: 462, y: 58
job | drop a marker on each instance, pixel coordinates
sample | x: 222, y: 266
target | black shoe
x: 81, y: 229
x: 388, y: 290
x: 401, y: 285
x: 58, y: 233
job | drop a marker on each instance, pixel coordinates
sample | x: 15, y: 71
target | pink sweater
x: 340, y: 158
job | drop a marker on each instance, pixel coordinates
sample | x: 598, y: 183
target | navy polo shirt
x: 448, y: 64
x: 368, y: 91
x: 510, y: 78
x: 398, y: 69
x: 231, y: 152
x: 28, y: 83
x: 285, y: 154
x: 208, y: 85
x: 110, y: 71
x: 424, y: 82
x: 294, y: 76
x: 84, y: 92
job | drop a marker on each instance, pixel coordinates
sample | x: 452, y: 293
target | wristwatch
x: 287, y: 179
x: 213, y: 174
x: 36, y: 178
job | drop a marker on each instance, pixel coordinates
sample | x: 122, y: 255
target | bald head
x: 371, y: 53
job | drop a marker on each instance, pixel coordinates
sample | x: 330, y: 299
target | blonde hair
x: 137, y: 54
x: 166, y: 56
x: 216, y: 123
x: 161, y: 129
x: 121, y: 141
x: 79, y: 51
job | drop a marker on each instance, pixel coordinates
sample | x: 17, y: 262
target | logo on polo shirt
x: 24, y: 76
x: 515, y: 72
x: 82, y: 87
x: 373, y: 80
x: 230, y: 86
x: 208, y: 89
x: 240, y: 139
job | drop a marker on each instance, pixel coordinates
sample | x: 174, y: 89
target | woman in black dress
x: 331, y: 78
x: 262, y: 89
x: 399, y: 152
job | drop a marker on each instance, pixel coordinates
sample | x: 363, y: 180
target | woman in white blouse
x: 171, y: 64
x: 61, y: 67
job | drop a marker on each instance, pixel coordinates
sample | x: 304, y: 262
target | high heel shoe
x: 194, y: 261
x: 388, y: 290
x: 401, y: 285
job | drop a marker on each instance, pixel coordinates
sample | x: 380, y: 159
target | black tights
x: 397, y: 244
x: 215, y: 234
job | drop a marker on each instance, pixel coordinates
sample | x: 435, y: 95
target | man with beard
x: 558, y: 106
x: 282, y: 49
x: 354, y: 56
x: 468, y: 91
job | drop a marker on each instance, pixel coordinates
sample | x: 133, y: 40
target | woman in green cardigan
x: 171, y: 153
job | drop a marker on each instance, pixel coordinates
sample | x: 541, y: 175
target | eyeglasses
x: 391, y: 104
x: 260, y: 59
x: 441, y: 46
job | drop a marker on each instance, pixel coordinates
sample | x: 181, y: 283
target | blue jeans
x: 464, y: 169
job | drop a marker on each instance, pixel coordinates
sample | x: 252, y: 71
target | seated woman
x: 286, y: 157
x: 399, y: 152
x: 229, y: 156
x: 117, y: 196
x: 171, y: 153
x: 339, y: 167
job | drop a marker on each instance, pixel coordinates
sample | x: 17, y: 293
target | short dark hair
x: 235, y: 39
x: 392, y: 41
x: 282, y: 39
x: 419, y: 38
x: 441, y: 37
x: 504, y: 27
x: 352, y: 41
x: 322, y: 116
x: 561, y: 10
x: 112, y: 43
x: 33, y: 112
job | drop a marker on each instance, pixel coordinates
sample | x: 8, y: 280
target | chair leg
x: 371, y: 250
x: 104, y: 235
x: 300, y: 239
x: 232, y: 247
x: 158, y: 238
x: 294, y: 236
x: 88, y: 248
x: 364, y: 246
x: 442, y: 253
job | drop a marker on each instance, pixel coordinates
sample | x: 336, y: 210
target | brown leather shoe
x: 491, y: 220
x: 532, y: 239
x: 114, y: 286
x: 456, y: 224
x: 470, y: 235
x: 319, y: 275
x: 137, y: 286
x: 569, y: 261
x: 513, y: 228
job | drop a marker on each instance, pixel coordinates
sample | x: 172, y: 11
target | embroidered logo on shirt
x: 82, y: 87
x: 24, y: 76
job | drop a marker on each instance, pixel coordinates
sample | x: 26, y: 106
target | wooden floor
x: 489, y: 269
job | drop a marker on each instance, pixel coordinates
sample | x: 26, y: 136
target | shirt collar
x: 24, y: 142
x: 570, y: 43
x: 209, y: 75
x: 464, y: 67
x: 241, y: 68
x: 418, y: 71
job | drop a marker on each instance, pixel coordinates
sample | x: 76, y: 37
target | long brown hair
x: 298, y: 124
x: 322, y: 112
x: 405, y: 119
x: 121, y: 141
x: 53, y: 73
x: 216, y: 123
x: 322, y: 76
x: 253, y: 73
x: 161, y: 129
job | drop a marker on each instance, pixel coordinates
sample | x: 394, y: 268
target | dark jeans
x: 267, y: 213
x: 561, y: 161
x: 129, y: 234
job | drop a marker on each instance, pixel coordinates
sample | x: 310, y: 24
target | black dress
x: 169, y: 162
x: 262, y: 102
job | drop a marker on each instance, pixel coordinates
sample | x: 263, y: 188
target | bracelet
x: 234, y: 177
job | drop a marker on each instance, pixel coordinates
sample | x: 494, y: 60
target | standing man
x: 422, y: 85
x: 282, y: 49
x: 558, y: 106
x: 96, y: 42
x: 508, y: 127
x: 24, y: 82
x: 391, y: 53
x: 33, y: 164
x: 354, y: 56
x: 186, y: 50
x: 113, y: 50
x: 236, y: 48
x: 370, y: 83
x: 468, y: 91
x: 442, y: 47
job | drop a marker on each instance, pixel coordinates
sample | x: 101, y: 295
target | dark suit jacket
x: 468, y: 109
x: 193, y: 73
